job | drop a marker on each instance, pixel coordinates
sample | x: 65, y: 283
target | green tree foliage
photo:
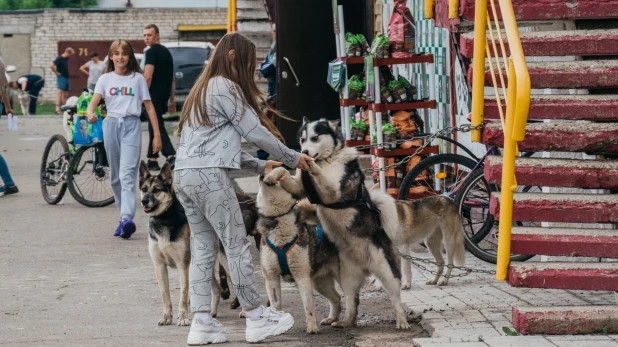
x: 8, y: 5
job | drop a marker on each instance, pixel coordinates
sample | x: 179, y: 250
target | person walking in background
x: 93, y: 69
x: 159, y: 75
x: 222, y: 107
x: 124, y: 89
x: 31, y: 84
x: 9, y: 186
x: 4, y: 91
x: 60, y: 67
x: 268, y: 69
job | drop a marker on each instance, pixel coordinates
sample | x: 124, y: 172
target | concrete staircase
x: 580, y: 117
x: 253, y: 22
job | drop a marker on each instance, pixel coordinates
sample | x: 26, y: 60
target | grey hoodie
x: 219, y: 145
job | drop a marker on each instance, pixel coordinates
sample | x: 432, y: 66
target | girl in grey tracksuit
x: 209, y: 147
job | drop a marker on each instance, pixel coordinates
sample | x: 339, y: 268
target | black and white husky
x: 366, y: 226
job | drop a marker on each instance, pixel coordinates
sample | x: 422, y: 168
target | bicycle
x: 83, y: 170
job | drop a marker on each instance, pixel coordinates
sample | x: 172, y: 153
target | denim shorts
x: 63, y: 83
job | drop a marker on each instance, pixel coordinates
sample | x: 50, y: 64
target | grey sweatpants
x: 123, y: 143
x: 213, y: 212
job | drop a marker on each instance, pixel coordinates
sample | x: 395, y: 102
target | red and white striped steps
x: 571, y: 107
x: 560, y: 137
x: 560, y: 275
x: 574, y: 173
x: 566, y: 320
x: 555, y: 43
x: 560, y: 208
x: 551, y: 9
x: 570, y: 242
x: 587, y: 74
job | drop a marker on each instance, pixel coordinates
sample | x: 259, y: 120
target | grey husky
x: 365, y: 225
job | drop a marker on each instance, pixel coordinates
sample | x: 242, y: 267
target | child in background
x: 124, y: 89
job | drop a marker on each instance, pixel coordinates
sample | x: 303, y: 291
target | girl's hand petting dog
x: 303, y: 163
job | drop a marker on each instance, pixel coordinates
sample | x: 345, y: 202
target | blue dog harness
x: 282, y: 252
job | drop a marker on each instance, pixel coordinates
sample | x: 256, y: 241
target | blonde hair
x: 126, y: 47
x: 220, y: 65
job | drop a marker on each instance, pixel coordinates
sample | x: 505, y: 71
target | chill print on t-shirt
x: 121, y: 91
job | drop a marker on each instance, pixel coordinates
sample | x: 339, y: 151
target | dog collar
x: 280, y: 215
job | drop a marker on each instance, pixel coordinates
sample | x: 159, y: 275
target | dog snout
x: 305, y: 152
x: 145, y: 201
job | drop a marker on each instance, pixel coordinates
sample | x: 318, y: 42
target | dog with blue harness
x: 294, y: 248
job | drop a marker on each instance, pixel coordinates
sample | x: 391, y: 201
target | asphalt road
x: 66, y: 281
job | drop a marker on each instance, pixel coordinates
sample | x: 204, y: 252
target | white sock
x: 205, y: 317
x: 255, y: 314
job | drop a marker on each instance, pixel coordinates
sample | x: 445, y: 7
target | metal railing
x: 517, y: 102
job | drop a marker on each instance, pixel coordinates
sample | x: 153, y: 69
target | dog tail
x: 459, y: 254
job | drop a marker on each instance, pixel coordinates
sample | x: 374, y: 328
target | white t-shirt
x: 95, y: 71
x: 123, y: 94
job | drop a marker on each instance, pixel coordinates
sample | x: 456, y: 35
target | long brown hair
x: 132, y: 65
x: 220, y: 65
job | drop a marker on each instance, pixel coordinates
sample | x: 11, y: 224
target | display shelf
x: 354, y: 60
x: 415, y: 59
x: 351, y: 102
x: 403, y: 152
x: 404, y: 106
x: 356, y: 143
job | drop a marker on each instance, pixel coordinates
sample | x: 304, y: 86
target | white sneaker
x: 271, y: 323
x: 203, y: 334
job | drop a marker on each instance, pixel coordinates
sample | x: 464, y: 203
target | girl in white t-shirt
x: 124, y: 89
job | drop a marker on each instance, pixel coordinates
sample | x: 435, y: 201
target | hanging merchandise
x: 336, y: 74
x: 351, y: 45
x: 380, y: 47
x: 397, y: 91
x: 389, y: 136
x: 401, y: 31
x: 355, y: 87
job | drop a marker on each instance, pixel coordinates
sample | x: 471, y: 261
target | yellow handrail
x: 517, y: 105
x: 231, y: 16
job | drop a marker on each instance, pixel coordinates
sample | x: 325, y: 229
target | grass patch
x: 45, y: 109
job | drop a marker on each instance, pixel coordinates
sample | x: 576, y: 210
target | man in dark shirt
x: 32, y: 84
x: 159, y: 75
x: 60, y: 67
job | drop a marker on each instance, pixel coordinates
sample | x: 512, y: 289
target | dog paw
x: 312, y: 328
x: 242, y: 314
x: 405, y: 286
x: 314, y: 168
x: 431, y: 282
x: 166, y: 320
x: 328, y: 321
x: 235, y: 303
x: 443, y: 282
x: 274, y: 176
x: 343, y: 324
x: 403, y: 325
x: 184, y: 322
x: 213, y: 313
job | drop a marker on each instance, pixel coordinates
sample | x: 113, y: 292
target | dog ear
x: 166, y: 174
x: 334, y: 124
x: 143, y: 172
x: 305, y: 120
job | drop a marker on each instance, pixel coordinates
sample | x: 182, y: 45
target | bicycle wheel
x: 88, y: 180
x: 444, y: 170
x: 54, y: 167
x: 480, y: 226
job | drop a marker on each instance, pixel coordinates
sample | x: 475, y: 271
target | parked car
x: 190, y: 58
